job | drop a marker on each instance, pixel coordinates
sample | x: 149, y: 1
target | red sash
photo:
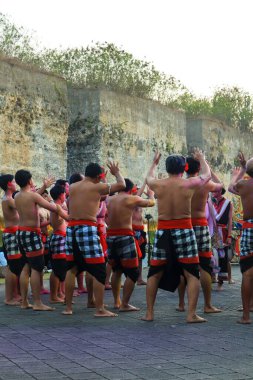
x: 247, y: 225
x: 60, y: 233
x: 30, y: 229
x: 81, y: 222
x: 10, y: 230
x: 174, y: 224
x: 199, y: 222
x: 125, y: 232
x: 102, y: 238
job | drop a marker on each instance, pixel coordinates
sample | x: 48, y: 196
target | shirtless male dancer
x: 83, y: 248
x: 174, y: 196
x: 200, y: 226
x: 57, y: 245
x: 122, y: 252
x: 27, y: 203
x: 244, y: 188
x: 11, y: 249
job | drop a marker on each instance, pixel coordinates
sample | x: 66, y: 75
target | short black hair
x: 4, y: 180
x: 193, y: 165
x: 129, y: 185
x: 175, y: 164
x: 61, y: 182
x: 56, y: 191
x: 75, y: 177
x: 22, y: 177
x: 93, y: 170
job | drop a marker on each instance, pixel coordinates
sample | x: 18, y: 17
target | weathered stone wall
x: 220, y: 142
x: 109, y: 125
x: 33, y: 121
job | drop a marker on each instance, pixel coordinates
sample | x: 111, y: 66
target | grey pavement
x: 48, y: 345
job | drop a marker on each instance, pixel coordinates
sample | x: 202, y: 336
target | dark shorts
x: 59, y: 267
x: 83, y: 250
x: 123, y: 256
x: 31, y: 247
x: 246, y: 264
x: 12, y: 253
x: 205, y: 264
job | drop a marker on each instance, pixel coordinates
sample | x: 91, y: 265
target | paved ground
x: 37, y: 345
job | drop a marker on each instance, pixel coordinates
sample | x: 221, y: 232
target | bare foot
x: 195, y: 319
x: 212, y: 309
x: 180, y: 308
x: 26, y: 306
x: 241, y: 309
x: 104, y: 313
x: 231, y: 282
x: 244, y: 321
x: 81, y: 291
x: 141, y: 282
x: 219, y: 289
x: 43, y: 307
x: 149, y: 317
x: 67, y: 312
x: 108, y: 287
x: 12, y: 303
x: 75, y: 293
x: 57, y: 300
x: 128, y: 308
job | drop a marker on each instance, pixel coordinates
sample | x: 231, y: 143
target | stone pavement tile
x: 10, y: 376
x: 116, y: 374
x: 47, y: 354
x: 149, y: 373
x: 88, y: 376
x: 196, y: 376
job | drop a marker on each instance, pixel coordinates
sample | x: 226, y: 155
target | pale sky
x: 203, y: 43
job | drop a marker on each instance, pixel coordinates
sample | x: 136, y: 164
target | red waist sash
x: 10, y: 230
x: 199, y: 222
x: 30, y: 229
x: 60, y: 233
x: 138, y: 227
x: 81, y: 222
x: 247, y: 225
x: 174, y: 224
x: 120, y: 232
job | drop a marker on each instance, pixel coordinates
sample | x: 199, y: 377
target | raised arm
x: 151, y: 173
x: 142, y: 188
x: 204, y: 167
x: 237, y: 175
x: 120, y: 182
x: 47, y: 182
x: 50, y: 206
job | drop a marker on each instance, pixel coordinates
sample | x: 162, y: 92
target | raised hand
x: 242, y: 160
x: 157, y: 157
x: 235, y: 172
x: 198, y: 154
x: 113, y: 167
x: 48, y: 181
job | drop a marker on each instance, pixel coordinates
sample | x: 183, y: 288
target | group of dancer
x: 99, y: 225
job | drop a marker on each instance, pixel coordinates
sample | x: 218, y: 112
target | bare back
x: 10, y: 214
x: 120, y: 210
x: 84, y: 199
x: 245, y: 190
x: 199, y: 199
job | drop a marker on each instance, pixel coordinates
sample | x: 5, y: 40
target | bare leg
x: 24, y: 284
x: 10, y: 285
x: 36, y: 288
x: 128, y: 289
x: 54, y: 286
x: 99, y: 300
x: 81, y: 288
x: 42, y: 289
x: 69, y: 290
x: 151, y: 291
x: 246, y: 291
x: 140, y: 280
x: 89, y: 285
x: 193, y: 286
x: 108, y: 276
x: 181, y: 292
x: 206, y: 284
x: 116, y: 285
x: 230, y: 280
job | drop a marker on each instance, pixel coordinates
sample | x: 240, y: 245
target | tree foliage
x: 107, y: 66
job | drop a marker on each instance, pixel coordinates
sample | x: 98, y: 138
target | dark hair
x: 22, y: 177
x: 250, y: 172
x: 4, y: 180
x: 175, y: 164
x: 75, y: 177
x: 93, y: 170
x: 193, y: 165
x: 61, y: 182
x: 56, y: 191
x: 129, y: 185
x: 15, y: 192
x: 45, y: 192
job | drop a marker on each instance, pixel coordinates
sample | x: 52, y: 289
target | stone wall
x: 33, y: 121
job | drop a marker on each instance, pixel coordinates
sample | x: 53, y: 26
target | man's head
x: 94, y: 171
x: 64, y: 183
x: 129, y: 186
x: 218, y: 193
x: 58, y: 193
x: 23, y: 178
x: 175, y: 164
x: 7, y: 182
x: 193, y: 165
x: 75, y: 177
x: 249, y: 167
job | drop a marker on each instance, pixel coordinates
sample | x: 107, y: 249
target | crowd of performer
x: 97, y: 228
